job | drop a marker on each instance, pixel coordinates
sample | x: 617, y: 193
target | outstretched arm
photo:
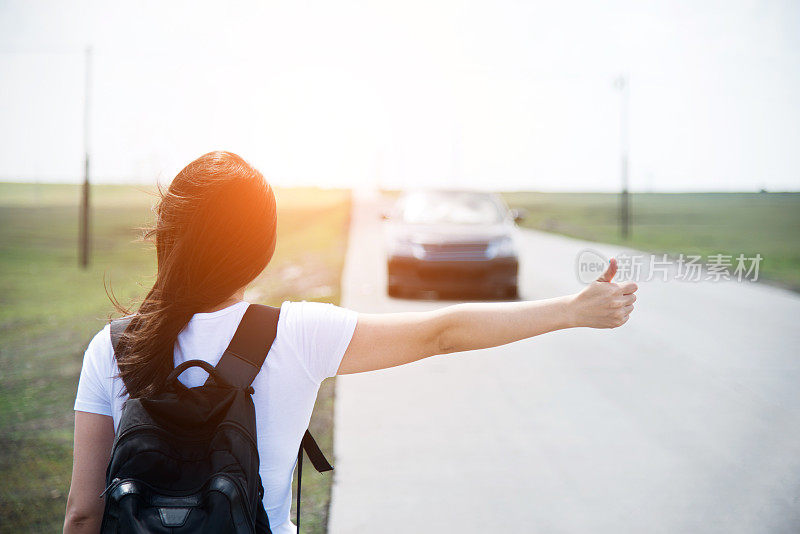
x: 391, y: 339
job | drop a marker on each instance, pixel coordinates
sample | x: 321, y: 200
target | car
x: 453, y: 244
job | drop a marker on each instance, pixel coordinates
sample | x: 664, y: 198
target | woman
x: 215, y: 232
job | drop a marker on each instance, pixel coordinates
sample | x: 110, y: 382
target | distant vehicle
x: 453, y: 243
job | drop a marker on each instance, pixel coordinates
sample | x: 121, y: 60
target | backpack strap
x: 117, y: 328
x: 315, y: 454
x: 242, y: 360
x: 318, y: 460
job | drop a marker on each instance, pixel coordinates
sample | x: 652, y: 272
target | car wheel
x: 512, y: 292
x: 394, y: 291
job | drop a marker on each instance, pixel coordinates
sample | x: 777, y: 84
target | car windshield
x: 450, y: 208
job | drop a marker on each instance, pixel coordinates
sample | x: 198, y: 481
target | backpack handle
x: 207, y: 367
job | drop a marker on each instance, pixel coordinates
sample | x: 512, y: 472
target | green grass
x: 50, y: 309
x: 674, y: 223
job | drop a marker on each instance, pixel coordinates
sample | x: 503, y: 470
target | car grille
x: 455, y: 251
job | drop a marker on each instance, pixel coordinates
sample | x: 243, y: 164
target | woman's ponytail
x: 214, y: 233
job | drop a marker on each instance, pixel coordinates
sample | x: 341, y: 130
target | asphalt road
x: 687, y: 419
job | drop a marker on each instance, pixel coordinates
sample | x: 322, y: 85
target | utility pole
x: 621, y: 84
x: 83, y: 251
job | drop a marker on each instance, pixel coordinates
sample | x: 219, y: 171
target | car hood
x: 450, y: 233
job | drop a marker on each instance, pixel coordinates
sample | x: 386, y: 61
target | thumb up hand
x: 603, y: 303
x: 611, y: 270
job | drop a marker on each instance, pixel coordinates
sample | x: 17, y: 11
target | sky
x: 499, y: 94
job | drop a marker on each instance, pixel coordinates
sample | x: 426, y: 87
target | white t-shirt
x: 312, y: 338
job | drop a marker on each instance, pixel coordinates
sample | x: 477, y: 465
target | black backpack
x: 186, y: 459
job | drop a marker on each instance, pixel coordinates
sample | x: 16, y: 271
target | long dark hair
x: 214, y: 233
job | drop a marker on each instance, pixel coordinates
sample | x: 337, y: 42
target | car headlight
x: 503, y: 247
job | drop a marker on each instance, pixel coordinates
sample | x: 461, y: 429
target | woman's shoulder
x: 101, y: 342
x: 303, y: 311
x: 319, y: 332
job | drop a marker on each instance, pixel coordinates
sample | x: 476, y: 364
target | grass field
x: 50, y: 309
x: 689, y: 223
